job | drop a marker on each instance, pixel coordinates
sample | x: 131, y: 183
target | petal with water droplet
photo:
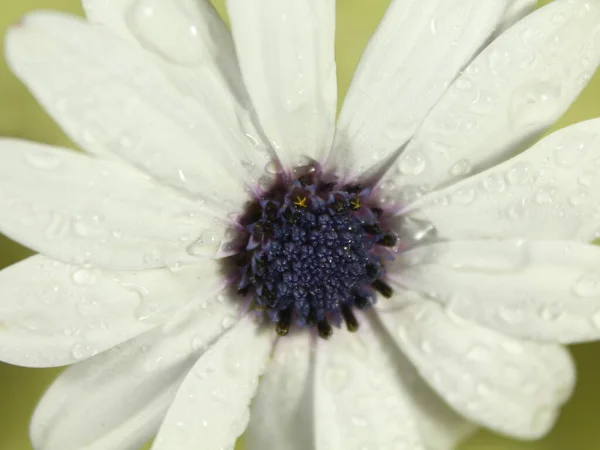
x: 514, y: 387
x: 211, y: 408
x: 551, y: 191
x: 541, y: 290
x: 518, y: 86
x: 117, y: 100
x: 431, y: 41
x: 54, y: 314
x: 360, y: 400
x: 85, y: 210
x: 289, y: 70
x: 116, y: 400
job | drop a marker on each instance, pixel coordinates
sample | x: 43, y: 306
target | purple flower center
x: 311, y: 251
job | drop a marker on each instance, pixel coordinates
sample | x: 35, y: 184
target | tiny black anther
x: 271, y: 211
x: 261, y: 266
x: 244, y: 291
x: 290, y: 216
x: 284, y: 321
x: 373, y: 270
x: 377, y: 211
x: 388, y: 240
x: 252, y: 278
x: 253, y: 214
x: 383, y: 288
x: 268, y: 297
x: 312, y: 317
x: 372, y: 228
x: 349, y: 318
x: 325, y: 330
x: 339, y: 206
x: 361, y: 301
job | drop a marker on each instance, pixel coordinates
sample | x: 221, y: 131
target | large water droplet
x: 412, y: 164
x: 166, y: 29
x: 588, y: 285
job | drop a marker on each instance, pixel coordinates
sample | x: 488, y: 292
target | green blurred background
x: 20, y: 116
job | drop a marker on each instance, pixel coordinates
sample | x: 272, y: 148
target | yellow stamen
x: 301, y: 202
x: 355, y: 204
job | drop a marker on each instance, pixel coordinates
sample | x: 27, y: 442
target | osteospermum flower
x: 386, y: 286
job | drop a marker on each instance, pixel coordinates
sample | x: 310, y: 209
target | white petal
x: 113, y: 99
x: 515, y: 11
x: 212, y: 405
x: 54, y: 314
x: 282, y: 414
x: 285, y: 49
x: 84, y: 210
x: 511, y: 386
x: 116, y: 400
x: 512, y: 91
x: 441, y: 427
x: 360, y: 400
x: 551, y: 191
x: 187, y: 33
x: 418, y: 49
x: 537, y: 290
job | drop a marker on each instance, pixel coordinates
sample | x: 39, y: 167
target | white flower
x: 496, y: 270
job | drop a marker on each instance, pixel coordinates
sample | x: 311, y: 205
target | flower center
x: 311, y: 251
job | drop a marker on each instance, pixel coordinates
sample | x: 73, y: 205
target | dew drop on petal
x: 587, y: 285
x: 181, y: 41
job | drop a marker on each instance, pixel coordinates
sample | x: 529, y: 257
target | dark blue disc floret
x: 312, y: 252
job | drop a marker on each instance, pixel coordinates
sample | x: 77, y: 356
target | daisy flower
x: 225, y: 258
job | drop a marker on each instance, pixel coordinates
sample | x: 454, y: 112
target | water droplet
x: 82, y: 277
x: 154, y: 256
x: 271, y: 168
x: 43, y: 160
x: 81, y: 351
x: 412, y: 164
x: 498, y: 61
x: 551, y: 312
x: 461, y: 167
x: 165, y: 28
x: 463, y: 83
x: 586, y: 179
x: 494, y: 183
x: 464, y: 196
x: 511, y: 315
x: 519, y: 173
x: 545, y: 194
x: 577, y: 198
x: 228, y: 321
x: 588, y: 285
x: 201, y: 245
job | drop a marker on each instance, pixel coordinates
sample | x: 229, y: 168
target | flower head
x: 223, y: 226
